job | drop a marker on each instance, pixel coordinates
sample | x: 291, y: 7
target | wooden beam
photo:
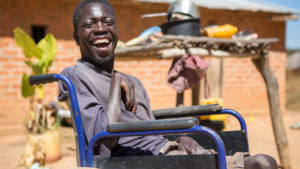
x: 152, y: 47
x: 179, y: 99
x: 214, y: 77
x: 281, y: 18
x: 196, y: 95
x: 177, y: 52
x: 195, y: 39
x: 263, y: 66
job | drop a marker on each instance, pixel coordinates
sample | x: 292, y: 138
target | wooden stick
x: 263, y: 66
x: 177, y: 52
x: 194, y: 39
x: 179, y: 99
x: 196, y: 95
x: 133, y: 49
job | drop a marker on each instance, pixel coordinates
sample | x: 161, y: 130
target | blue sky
x: 293, y: 27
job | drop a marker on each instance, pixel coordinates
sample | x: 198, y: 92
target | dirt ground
x: 261, y: 139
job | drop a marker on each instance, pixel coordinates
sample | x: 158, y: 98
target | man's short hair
x: 81, y: 5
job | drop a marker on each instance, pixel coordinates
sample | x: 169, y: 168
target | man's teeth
x: 100, y: 41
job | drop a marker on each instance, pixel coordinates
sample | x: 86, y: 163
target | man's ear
x: 76, y: 38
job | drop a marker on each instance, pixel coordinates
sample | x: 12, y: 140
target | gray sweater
x: 92, y: 87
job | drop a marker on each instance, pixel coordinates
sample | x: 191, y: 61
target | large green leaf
x: 48, y: 47
x: 27, y: 90
x: 38, y: 68
x: 28, y: 45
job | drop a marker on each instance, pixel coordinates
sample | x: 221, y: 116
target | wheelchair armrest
x: 186, y: 111
x: 151, y: 125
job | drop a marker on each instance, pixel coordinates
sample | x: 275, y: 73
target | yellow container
x: 219, y: 101
x: 223, y: 31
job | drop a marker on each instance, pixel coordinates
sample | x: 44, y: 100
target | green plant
x: 39, y: 57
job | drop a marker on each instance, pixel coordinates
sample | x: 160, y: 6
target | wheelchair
x: 171, y: 123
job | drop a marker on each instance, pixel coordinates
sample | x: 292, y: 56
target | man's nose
x: 100, y: 28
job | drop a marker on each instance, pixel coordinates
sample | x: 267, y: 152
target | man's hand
x: 127, y: 93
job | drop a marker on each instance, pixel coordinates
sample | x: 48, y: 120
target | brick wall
x: 244, y: 89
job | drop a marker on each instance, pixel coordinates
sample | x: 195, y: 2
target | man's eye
x: 88, y: 25
x: 109, y: 22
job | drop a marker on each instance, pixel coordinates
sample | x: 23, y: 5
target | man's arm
x: 120, y: 85
x: 113, y: 107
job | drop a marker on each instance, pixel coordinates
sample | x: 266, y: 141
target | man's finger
x: 131, y: 98
x: 134, y: 107
x: 128, y: 97
x: 125, y: 91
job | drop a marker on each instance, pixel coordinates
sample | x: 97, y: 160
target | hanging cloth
x: 186, y: 72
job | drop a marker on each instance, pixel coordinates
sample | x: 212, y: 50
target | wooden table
x: 171, y: 46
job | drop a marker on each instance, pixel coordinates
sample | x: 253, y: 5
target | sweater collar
x: 89, y: 66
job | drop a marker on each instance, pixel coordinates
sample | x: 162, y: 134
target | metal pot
x: 182, y: 27
x: 185, y: 7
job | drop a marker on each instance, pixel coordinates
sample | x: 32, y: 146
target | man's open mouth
x: 101, y: 43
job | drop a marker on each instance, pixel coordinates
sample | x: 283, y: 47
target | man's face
x: 97, y: 33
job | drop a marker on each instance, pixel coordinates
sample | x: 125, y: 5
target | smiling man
x: 99, y: 88
x: 95, y: 31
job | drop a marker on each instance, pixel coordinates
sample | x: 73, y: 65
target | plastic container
x: 219, y: 101
x: 223, y: 31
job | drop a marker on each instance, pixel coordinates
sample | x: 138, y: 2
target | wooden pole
x: 263, y: 66
x: 179, y: 99
x: 196, y: 95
